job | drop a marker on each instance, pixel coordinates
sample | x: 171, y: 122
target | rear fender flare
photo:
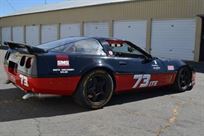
x: 93, y: 67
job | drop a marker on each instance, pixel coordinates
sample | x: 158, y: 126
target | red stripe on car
x: 125, y: 82
x: 59, y: 85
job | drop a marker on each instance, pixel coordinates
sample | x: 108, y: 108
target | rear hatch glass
x: 54, y: 44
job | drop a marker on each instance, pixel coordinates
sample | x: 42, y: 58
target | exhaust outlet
x: 33, y: 95
x: 7, y: 82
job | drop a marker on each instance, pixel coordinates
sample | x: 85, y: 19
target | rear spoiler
x: 30, y: 49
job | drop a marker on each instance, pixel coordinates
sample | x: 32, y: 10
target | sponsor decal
x: 110, y: 53
x: 144, y: 81
x: 24, y: 80
x: 63, y: 70
x: 155, y: 65
x: 170, y: 67
x: 62, y: 61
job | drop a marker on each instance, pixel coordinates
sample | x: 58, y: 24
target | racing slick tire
x: 95, y: 90
x: 183, y: 80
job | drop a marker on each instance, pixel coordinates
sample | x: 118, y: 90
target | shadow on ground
x: 12, y: 107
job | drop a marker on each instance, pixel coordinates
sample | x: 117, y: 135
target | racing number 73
x: 24, y: 80
x: 144, y: 81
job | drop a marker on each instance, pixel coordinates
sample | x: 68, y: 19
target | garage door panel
x: 6, y: 34
x: 134, y: 31
x: 99, y: 29
x: 49, y: 33
x: 67, y: 30
x: 176, y: 55
x: 18, y: 34
x: 172, y: 52
x: 176, y: 36
x: 32, y: 35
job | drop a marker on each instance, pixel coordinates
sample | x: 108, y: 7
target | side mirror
x: 148, y: 59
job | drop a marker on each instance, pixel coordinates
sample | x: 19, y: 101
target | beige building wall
x: 135, y: 9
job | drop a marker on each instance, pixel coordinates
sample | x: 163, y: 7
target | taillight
x: 28, y: 62
x: 23, y: 59
x: 7, y: 55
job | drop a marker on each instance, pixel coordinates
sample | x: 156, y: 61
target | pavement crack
x: 170, y: 121
x: 38, y: 127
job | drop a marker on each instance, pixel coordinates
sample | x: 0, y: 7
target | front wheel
x: 94, y: 90
x: 183, y: 80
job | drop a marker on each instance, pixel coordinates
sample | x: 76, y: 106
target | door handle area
x: 122, y: 63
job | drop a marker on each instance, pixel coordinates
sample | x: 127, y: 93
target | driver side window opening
x: 124, y: 49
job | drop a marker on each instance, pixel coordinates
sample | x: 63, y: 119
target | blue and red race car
x: 91, y: 69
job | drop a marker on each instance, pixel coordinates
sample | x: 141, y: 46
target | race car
x: 91, y: 69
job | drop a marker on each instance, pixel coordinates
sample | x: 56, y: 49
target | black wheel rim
x: 185, y: 78
x: 97, y: 89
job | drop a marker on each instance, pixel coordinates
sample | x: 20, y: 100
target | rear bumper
x: 58, y: 86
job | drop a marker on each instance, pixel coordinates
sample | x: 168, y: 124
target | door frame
x: 201, y: 57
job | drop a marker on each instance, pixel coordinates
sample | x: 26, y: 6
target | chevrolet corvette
x: 91, y: 69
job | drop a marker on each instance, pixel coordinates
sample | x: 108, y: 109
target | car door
x: 137, y: 73
x: 134, y: 69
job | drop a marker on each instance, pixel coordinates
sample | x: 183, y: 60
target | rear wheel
x: 95, y: 90
x: 183, y: 80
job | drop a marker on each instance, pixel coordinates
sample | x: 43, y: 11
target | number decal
x: 24, y: 80
x: 143, y: 81
x: 146, y: 79
x: 139, y: 79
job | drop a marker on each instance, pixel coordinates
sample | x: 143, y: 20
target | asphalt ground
x: 158, y: 112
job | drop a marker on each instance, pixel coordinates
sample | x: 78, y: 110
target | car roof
x: 63, y: 41
x: 54, y: 44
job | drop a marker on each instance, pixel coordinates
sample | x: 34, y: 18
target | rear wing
x: 21, y: 47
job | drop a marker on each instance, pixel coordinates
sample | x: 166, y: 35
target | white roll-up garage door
x: 49, y: 33
x: 6, y: 34
x: 32, y: 35
x: 99, y: 29
x: 67, y: 30
x: 174, y: 38
x: 18, y: 34
x: 134, y: 31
